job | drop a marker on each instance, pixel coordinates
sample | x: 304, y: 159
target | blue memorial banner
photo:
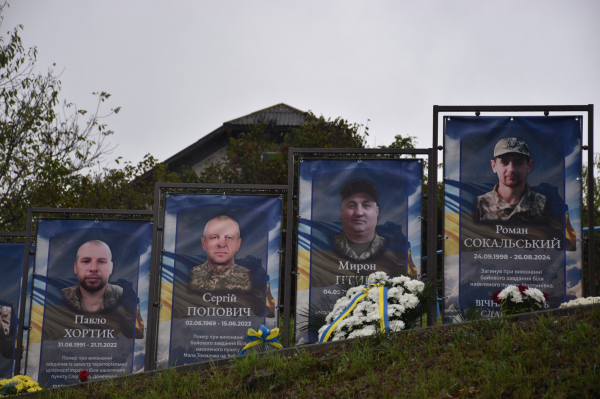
x: 11, y: 270
x: 220, y: 274
x: 356, y: 217
x: 512, y: 209
x: 90, y: 299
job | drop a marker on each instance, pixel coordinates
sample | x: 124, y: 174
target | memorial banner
x: 90, y: 299
x: 11, y: 270
x: 356, y: 217
x: 512, y: 209
x: 220, y: 274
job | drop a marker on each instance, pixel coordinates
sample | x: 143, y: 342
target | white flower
x: 535, y: 294
x: 581, y: 301
x: 395, y: 310
x: 365, y: 317
x: 353, y: 291
x: 394, y: 292
x: 396, y: 325
x: 511, y: 292
x: 399, y: 280
x: 374, y: 294
x: 377, y: 276
x: 517, y: 298
x: 414, y: 286
x: 373, y: 316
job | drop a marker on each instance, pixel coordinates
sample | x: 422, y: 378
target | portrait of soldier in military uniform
x: 93, y: 294
x: 359, y: 213
x: 220, y: 275
x: 6, y: 337
x: 511, y: 200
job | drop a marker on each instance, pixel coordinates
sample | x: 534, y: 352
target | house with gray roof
x: 212, y: 146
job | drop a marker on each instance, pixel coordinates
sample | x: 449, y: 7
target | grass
x: 548, y: 357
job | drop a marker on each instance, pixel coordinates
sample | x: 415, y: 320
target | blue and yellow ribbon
x: 262, y: 335
x: 383, y: 307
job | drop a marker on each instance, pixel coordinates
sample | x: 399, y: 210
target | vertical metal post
x: 591, y: 206
x: 154, y: 289
x: 432, y: 219
x: 289, y: 235
x: 23, y: 301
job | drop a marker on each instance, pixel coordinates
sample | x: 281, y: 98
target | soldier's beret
x: 359, y: 186
x: 511, y: 145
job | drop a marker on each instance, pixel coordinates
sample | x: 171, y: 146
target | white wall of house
x: 214, y: 157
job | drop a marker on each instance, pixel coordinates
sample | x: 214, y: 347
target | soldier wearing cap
x: 220, y: 274
x: 511, y: 199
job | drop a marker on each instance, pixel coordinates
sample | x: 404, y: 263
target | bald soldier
x: 220, y: 274
x: 511, y: 200
x: 93, y: 294
x: 93, y: 266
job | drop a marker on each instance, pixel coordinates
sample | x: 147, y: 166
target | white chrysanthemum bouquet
x: 581, y: 302
x: 405, y: 305
x: 519, y: 299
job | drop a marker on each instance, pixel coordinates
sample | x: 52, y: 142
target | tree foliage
x: 261, y: 155
x: 584, y: 215
x: 43, y: 145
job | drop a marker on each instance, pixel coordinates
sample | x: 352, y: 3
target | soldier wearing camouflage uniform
x: 219, y: 275
x: 6, y: 338
x: 94, y: 295
x: 511, y: 200
x: 359, y: 240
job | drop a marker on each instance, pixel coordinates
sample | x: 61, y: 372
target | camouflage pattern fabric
x: 5, y: 313
x: 491, y: 208
x: 112, y: 296
x: 205, y: 278
x: 113, y: 309
x: 340, y: 244
x: 6, y: 341
x: 236, y: 280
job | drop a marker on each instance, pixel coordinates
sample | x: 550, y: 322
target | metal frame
x: 157, y: 240
x: 546, y: 109
x: 431, y: 219
x: 12, y: 234
x: 28, y: 235
x: 21, y: 311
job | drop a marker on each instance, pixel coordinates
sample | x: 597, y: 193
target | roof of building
x: 281, y: 114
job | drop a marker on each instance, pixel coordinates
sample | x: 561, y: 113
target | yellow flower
x: 34, y: 389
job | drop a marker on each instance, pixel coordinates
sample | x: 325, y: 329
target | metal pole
x: 287, y: 275
x: 591, y: 206
x: 19, y: 348
x: 432, y: 220
x: 154, y: 291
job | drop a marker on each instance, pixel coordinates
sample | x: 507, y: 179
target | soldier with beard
x: 93, y: 294
x: 511, y: 200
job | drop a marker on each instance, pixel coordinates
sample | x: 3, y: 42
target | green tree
x: 43, y: 146
x: 584, y: 214
x: 246, y: 161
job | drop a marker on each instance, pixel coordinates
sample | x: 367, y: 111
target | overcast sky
x: 180, y: 69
